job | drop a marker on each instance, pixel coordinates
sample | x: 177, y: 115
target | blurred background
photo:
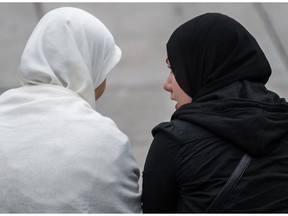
x: 134, y: 96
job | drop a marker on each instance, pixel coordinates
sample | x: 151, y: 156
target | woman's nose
x: 168, y: 84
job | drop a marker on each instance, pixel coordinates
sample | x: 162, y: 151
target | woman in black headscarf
x: 223, y: 111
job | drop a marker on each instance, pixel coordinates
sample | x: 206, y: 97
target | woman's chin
x: 177, y: 106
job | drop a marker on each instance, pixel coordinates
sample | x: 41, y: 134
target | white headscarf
x: 71, y: 48
x: 58, y: 154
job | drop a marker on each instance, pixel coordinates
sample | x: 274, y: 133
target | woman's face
x: 177, y: 94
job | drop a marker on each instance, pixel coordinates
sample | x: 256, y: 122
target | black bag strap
x: 230, y: 184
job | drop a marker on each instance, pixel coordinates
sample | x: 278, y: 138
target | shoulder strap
x: 230, y: 184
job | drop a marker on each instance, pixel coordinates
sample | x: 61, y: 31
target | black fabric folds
x: 244, y: 113
x: 221, y: 66
x: 213, y: 50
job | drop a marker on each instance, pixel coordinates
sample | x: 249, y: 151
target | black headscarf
x: 220, y: 65
x: 213, y: 50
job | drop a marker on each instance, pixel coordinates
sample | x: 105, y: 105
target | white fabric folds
x: 58, y: 154
x: 71, y: 48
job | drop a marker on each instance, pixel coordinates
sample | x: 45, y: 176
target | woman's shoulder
x: 184, y: 130
x: 107, y: 128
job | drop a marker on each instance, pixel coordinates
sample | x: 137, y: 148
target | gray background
x: 134, y: 96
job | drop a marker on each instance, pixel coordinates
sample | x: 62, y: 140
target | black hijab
x: 213, y: 50
x: 220, y: 65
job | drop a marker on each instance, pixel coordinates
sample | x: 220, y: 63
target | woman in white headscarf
x: 59, y: 155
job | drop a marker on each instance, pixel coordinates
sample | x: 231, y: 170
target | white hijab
x: 71, y: 48
x: 58, y: 154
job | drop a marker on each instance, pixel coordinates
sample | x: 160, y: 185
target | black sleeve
x: 159, y: 192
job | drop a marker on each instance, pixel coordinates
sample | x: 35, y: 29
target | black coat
x: 193, y: 155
